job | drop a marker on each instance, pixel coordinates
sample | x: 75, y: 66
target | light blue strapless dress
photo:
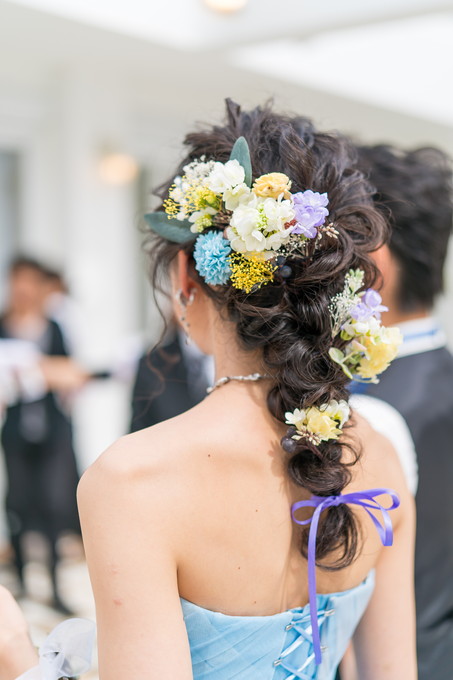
x: 304, y: 643
x: 278, y: 647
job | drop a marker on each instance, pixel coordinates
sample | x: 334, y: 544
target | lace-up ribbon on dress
x: 365, y: 499
x: 302, y: 625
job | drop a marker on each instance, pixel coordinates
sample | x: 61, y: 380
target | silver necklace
x: 253, y: 377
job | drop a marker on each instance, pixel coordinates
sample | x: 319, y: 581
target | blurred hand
x: 62, y: 374
x: 17, y: 653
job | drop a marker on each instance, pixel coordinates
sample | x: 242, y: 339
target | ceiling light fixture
x: 226, y: 6
x: 117, y: 168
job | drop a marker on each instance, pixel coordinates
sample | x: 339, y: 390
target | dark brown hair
x: 414, y: 190
x: 289, y: 320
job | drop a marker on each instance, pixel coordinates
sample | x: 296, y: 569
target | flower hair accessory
x: 318, y: 424
x: 243, y: 232
x: 356, y: 318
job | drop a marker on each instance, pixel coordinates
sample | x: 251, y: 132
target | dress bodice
x: 277, y: 647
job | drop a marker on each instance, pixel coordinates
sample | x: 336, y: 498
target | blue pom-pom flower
x: 210, y: 255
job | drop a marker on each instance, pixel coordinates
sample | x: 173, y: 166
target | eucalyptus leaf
x: 173, y: 230
x: 336, y: 355
x: 241, y: 153
x: 347, y: 372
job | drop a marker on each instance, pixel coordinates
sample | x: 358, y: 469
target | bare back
x: 239, y: 550
x: 200, y: 508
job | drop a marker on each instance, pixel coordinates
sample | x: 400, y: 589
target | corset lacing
x: 365, y: 499
x: 301, y: 623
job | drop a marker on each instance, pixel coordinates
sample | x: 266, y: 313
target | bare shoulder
x: 149, y: 467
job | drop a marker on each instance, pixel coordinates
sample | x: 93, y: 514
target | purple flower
x: 369, y: 305
x: 311, y: 212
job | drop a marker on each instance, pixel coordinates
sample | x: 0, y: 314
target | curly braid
x: 289, y: 320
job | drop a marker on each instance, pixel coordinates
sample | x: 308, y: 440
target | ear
x: 184, y: 282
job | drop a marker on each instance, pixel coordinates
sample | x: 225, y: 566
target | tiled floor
x: 74, y: 588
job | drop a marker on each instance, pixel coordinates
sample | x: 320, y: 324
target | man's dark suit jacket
x: 165, y: 394
x: 420, y: 387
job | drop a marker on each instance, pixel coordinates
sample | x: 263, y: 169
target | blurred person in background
x: 414, y: 191
x: 59, y: 306
x: 37, y: 435
x: 27, y: 374
x: 170, y: 380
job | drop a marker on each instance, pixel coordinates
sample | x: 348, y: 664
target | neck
x: 229, y: 357
x: 232, y: 360
x: 233, y: 366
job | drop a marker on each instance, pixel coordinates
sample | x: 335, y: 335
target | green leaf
x: 173, y: 230
x: 336, y: 355
x: 347, y: 371
x: 241, y: 153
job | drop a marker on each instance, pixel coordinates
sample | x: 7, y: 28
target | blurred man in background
x: 414, y: 191
x: 170, y: 380
x: 37, y: 434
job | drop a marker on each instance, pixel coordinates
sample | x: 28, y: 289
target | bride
x: 248, y: 538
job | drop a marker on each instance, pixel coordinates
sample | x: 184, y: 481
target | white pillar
x: 98, y: 223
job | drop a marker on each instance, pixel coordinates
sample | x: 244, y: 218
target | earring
x: 184, y: 303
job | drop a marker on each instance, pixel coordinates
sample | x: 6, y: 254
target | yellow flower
x: 205, y: 198
x: 171, y: 207
x: 272, y: 185
x: 251, y: 272
x: 322, y: 425
x: 380, y: 351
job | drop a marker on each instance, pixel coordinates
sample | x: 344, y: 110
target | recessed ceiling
x: 190, y: 24
x: 402, y: 65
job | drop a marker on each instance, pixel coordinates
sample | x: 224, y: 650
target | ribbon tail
x: 385, y: 529
x: 312, y: 583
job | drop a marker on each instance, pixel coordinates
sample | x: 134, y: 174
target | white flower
x: 244, y: 232
x: 224, y: 176
x: 275, y: 241
x: 369, y: 327
x: 238, y: 194
x: 197, y: 172
x: 354, y: 279
x: 319, y: 423
x: 258, y: 224
x: 253, y: 242
x: 339, y: 410
x: 201, y: 219
x: 296, y: 418
x: 201, y: 213
x: 278, y: 213
x: 236, y: 241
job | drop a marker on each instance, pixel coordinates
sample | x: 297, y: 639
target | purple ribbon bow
x: 367, y: 500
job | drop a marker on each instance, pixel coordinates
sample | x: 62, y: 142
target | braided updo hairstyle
x: 289, y: 319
